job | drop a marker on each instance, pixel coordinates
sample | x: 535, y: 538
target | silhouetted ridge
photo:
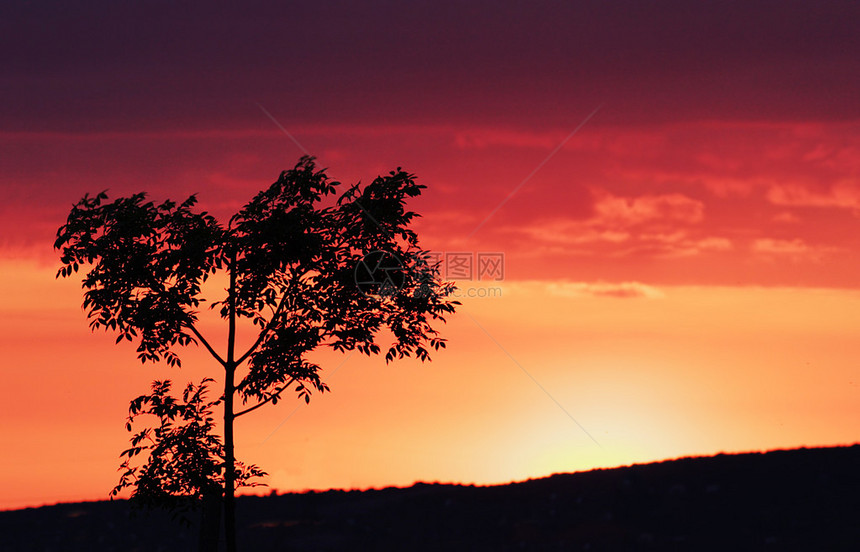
x: 805, y: 499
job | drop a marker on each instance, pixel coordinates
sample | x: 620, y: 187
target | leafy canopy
x: 292, y: 261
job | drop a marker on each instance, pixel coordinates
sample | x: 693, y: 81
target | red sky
x: 680, y: 275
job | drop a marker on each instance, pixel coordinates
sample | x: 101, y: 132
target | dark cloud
x: 107, y: 65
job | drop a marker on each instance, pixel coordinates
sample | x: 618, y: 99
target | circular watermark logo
x: 379, y: 274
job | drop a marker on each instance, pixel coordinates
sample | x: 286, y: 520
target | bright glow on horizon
x: 688, y: 371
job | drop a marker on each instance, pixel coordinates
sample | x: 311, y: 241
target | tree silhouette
x: 305, y: 274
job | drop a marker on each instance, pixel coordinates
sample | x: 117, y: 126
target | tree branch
x: 269, y: 398
x: 264, y: 331
x: 206, y: 344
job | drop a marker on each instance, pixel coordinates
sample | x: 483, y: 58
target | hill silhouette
x: 803, y: 499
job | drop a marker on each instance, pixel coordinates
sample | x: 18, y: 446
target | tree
x: 306, y: 275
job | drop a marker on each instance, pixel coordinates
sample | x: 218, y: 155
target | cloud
x: 796, y: 250
x: 780, y: 247
x: 620, y: 290
x: 786, y: 217
x: 631, y: 211
x: 572, y: 232
x: 692, y: 247
x: 731, y: 187
x: 715, y: 244
x: 842, y: 195
x: 656, y: 225
x: 673, y: 246
x: 484, y: 138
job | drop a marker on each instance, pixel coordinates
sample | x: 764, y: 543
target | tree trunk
x: 229, y: 390
x: 229, y: 467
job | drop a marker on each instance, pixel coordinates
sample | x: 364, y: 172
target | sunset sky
x: 675, y: 189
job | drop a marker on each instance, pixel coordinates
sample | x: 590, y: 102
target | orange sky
x: 680, y: 275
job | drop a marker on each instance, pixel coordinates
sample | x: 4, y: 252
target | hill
x: 804, y: 499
